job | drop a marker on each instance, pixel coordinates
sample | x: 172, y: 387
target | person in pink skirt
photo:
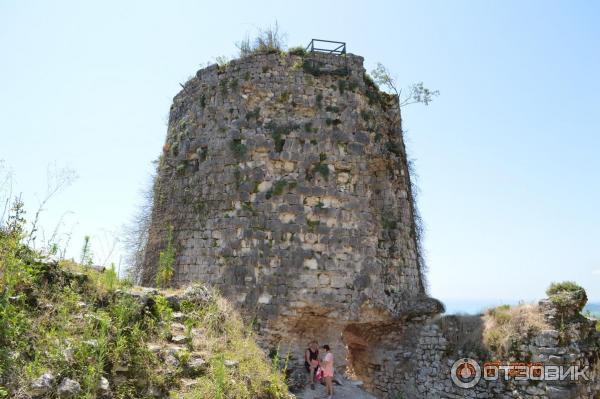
x: 327, y: 366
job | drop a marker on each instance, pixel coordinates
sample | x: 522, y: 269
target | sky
x: 506, y: 156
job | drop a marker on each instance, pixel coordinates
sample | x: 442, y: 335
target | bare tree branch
x: 417, y: 92
x: 57, y: 180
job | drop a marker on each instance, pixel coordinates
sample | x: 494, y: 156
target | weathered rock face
x: 286, y: 186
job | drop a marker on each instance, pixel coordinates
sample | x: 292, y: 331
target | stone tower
x: 284, y: 182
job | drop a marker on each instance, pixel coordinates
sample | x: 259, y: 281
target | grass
x: 505, y: 326
x: 75, y: 322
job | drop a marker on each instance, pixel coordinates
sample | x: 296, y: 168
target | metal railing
x: 326, y: 47
x: 339, y: 50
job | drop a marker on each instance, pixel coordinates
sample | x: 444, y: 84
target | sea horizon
x: 477, y: 306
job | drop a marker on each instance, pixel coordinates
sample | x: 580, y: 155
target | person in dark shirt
x: 311, y: 362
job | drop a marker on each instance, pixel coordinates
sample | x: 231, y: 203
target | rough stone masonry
x: 285, y: 183
x: 287, y: 187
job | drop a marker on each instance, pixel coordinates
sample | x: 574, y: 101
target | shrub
x: 313, y: 224
x: 267, y: 41
x: 223, y: 84
x: 166, y: 260
x: 234, y: 84
x: 279, y: 132
x: 567, y: 295
x: 342, y: 85
x: 366, y: 115
x: 278, y: 188
x: 388, y: 223
x: 320, y: 168
x: 299, y: 51
x: 284, y: 97
x: 254, y: 114
x: 238, y: 148
x: 565, y: 286
x: 319, y: 101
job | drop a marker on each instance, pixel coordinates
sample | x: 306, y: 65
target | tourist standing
x: 311, y: 362
x: 328, y: 371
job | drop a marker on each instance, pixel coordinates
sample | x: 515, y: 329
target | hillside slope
x: 72, y: 331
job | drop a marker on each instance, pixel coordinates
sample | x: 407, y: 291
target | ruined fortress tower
x: 285, y: 182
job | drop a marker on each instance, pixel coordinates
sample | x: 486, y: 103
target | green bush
x: 238, y: 149
x: 166, y: 261
x: 254, y: 114
x: 277, y: 188
x: 299, y: 51
x: 279, y: 132
x: 565, y: 286
x: 319, y: 168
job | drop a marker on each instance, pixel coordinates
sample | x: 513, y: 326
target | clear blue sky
x: 507, y: 156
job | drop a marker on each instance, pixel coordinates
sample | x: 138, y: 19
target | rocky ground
x: 345, y: 390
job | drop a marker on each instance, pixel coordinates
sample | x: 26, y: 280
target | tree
x: 57, y: 180
x: 415, y: 93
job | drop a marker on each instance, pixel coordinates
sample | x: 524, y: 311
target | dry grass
x: 505, y: 326
x: 225, y: 338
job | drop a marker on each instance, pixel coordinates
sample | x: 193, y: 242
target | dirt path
x: 348, y: 390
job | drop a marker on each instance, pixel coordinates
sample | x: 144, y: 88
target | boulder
x: 41, y: 385
x: 68, y: 388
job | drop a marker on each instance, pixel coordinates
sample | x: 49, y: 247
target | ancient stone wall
x: 285, y: 184
x: 420, y: 365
